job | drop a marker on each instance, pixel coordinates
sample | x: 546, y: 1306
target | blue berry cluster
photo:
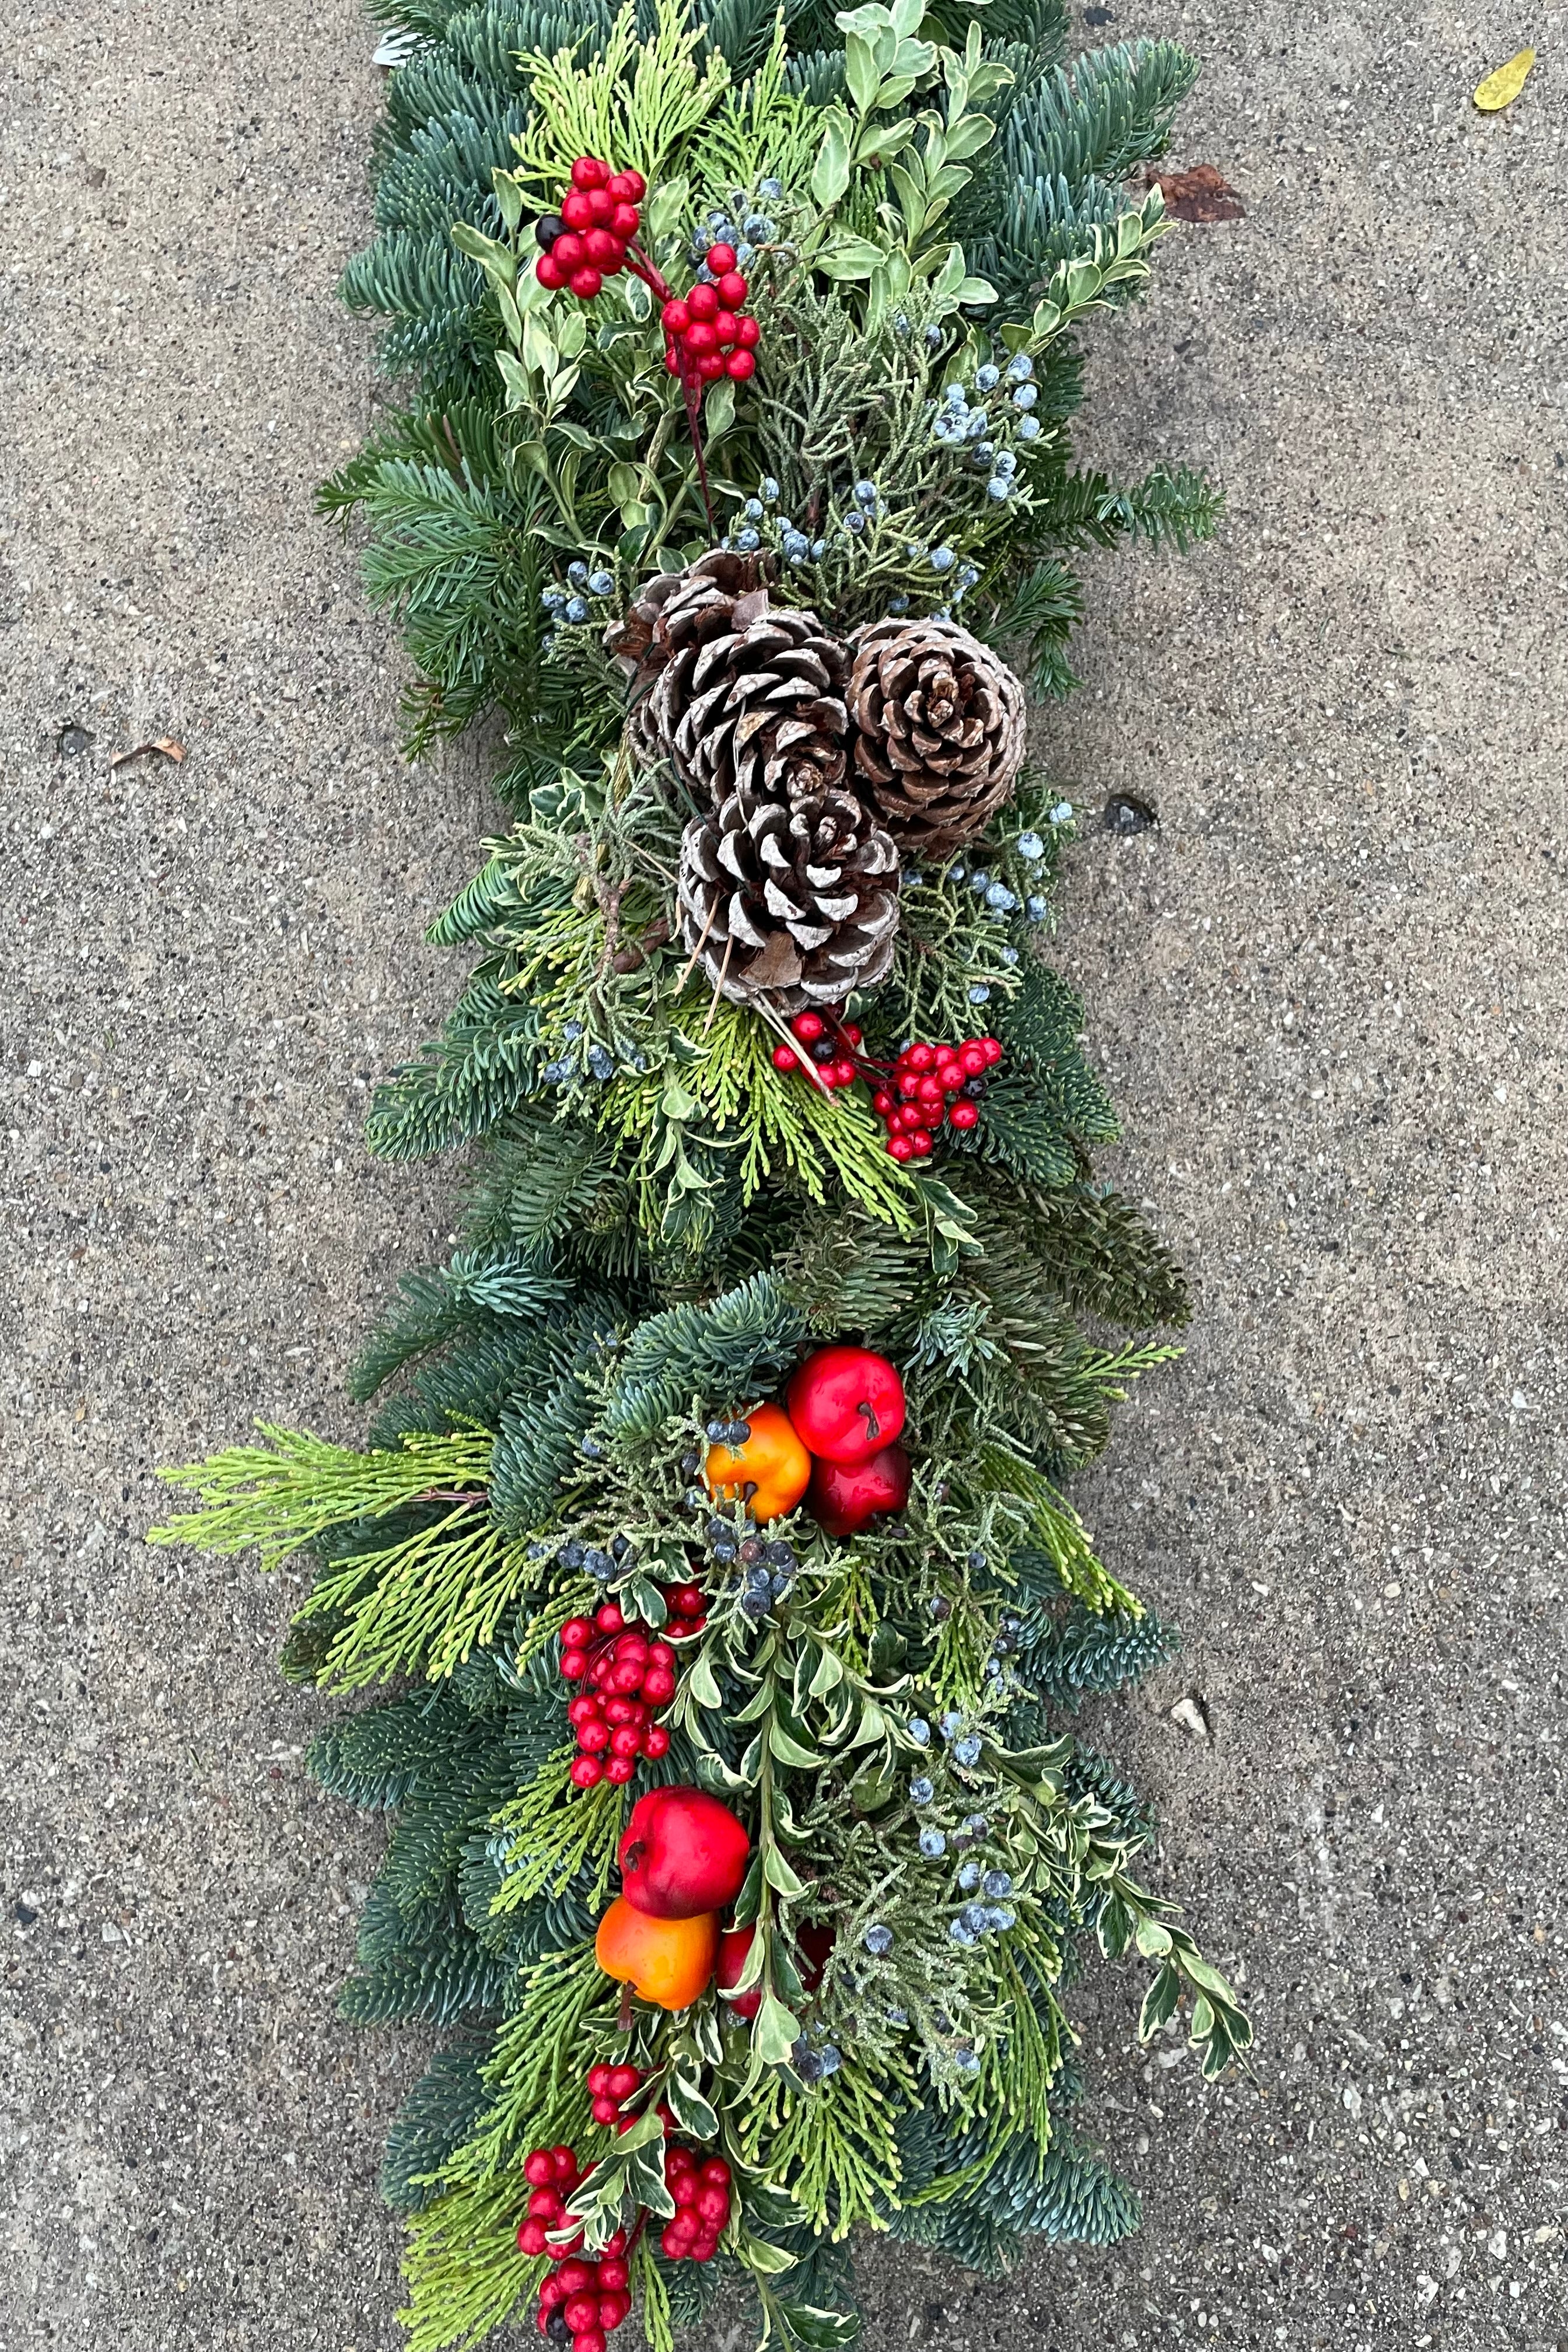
x: 600, y: 1060
x: 589, y: 1559
x: 742, y: 227
x: 569, y: 606
x: 814, y: 2066
x: 770, y: 1572
x: 975, y: 428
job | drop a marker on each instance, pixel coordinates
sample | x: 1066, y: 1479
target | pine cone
x: 737, y: 695
x: 941, y: 725
x: 799, y: 899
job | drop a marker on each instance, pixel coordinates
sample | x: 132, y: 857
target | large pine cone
x: 941, y: 725
x: 738, y: 695
x: 799, y: 900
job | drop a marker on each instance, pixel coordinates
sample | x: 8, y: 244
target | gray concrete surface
x: 1329, y: 990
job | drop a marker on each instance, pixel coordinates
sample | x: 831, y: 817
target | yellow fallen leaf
x: 1500, y: 88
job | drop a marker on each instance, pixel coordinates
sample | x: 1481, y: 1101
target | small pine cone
x: 798, y: 900
x: 737, y: 695
x: 940, y: 730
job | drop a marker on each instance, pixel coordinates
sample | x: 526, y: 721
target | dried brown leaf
x: 164, y: 743
x: 1201, y: 195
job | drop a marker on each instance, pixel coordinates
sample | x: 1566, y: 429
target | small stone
x: 1193, y: 1716
x: 1125, y: 813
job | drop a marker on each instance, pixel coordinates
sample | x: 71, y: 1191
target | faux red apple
x: 683, y: 1853
x: 814, y: 1943
x: 733, y: 1946
x: 846, y: 1404
x: 845, y: 1496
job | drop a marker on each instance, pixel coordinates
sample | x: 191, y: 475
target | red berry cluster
x: 552, y: 2173
x: 702, y: 2193
x: 582, y: 2301
x: 687, y: 1608
x: 609, y: 2088
x: 832, y: 1052
x: 586, y: 241
x: 931, y: 1085
x: 628, y: 1675
x: 707, y: 332
x: 928, y: 1087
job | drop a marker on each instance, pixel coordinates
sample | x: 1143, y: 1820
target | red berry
x: 587, y: 172
x: 548, y: 272
x: 620, y: 1770
x: 530, y: 2238
x: 702, y: 302
x: 900, y: 1147
x: 635, y: 187
x: 603, y: 250
x: 701, y: 337
x: 713, y: 2207
x: 589, y: 2339
x: 613, y: 2308
x: 748, y: 334
x: 625, y: 221
x: 544, y: 2205
x: 687, y: 1600
x: 607, y: 1617
x: 716, y: 2172
x: 991, y: 1048
x: 574, y: 1664
x: 882, y: 1102
x: 612, y: 2272
x: 586, y: 1772
x: 919, y: 1057
x: 567, y: 252
x: 852, y: 1033
x: 964, y: 1115
x: 564, y: 2160
x: 739, y: 366
x: 616, y: 2243
x: 581, y: 2311
x: 658, y: 1686
x: 710, y: 368
x: 724, y: 328
x: 551, y: 2291
x: 626, y: 1740
x: 619, y: 185
x: 672, y: 2241
x: 844, y: 1068
x: 656, y: 1741
x: 593, y: 1738
x: 935, y: 1113
x: 575, y: 209
x: 921, y: 1142
x: 576, y: 1633
x: 721, y: 258
x: 601, y: 205
x: 605, y: 2110
x: 928, y: 1090
x: 911, y: 1116
x: 660, y: 1653
x: 704, y: 2250
x: 598, y: 2080
x: 671, y: 360
x: 731, y: 289
x: 575, y: 2276
x: 586, y: 283
x: 540, y: 2169
x: 676, y: 318
x: 972, y: 1058
x: 808, y: 1027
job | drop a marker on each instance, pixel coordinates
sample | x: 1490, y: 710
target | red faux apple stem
x: 625, y: 2020
x: 873, y: 1426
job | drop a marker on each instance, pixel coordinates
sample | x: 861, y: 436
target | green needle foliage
x: 659, y: 1223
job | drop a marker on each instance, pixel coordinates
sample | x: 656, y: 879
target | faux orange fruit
x: 771, y: 1471
x: 667, y: 1961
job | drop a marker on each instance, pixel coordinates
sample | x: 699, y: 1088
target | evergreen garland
x: 667, y: 1216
